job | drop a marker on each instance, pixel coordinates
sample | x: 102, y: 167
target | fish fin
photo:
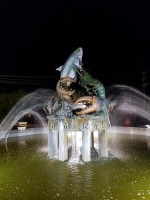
x: 59, y: 68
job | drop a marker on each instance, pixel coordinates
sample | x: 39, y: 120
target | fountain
x: 73, y: 112
x: 80, y: 121
x: 85, y: 111
x: 81, y: 125
x: 66, y: 112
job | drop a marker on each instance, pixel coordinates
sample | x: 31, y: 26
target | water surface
x: 26, y: 172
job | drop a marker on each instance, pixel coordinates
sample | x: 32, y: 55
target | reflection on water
x: 26, y: 172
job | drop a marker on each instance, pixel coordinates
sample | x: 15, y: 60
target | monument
x: 78, y: 118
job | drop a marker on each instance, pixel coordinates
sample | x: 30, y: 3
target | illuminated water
x: 26, y: 172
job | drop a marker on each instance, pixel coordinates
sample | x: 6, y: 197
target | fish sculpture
x: 73, y: 61
x: 68, y: 74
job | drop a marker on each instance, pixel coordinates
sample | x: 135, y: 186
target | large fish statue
x: 68, y: 74
x: 74, y: 60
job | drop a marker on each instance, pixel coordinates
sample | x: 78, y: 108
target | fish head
x: 75, y: 59
x: 79, y: 52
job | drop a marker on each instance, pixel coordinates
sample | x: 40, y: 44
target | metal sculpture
x: 70, y: 101
x: 81, y: 110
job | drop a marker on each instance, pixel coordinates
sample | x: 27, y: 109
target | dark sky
x: 36, y: 37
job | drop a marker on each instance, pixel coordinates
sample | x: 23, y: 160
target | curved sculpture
x: 69, y: 101
x: 95, y: 89
x: 83, y: 110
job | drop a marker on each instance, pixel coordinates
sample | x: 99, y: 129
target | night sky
x: 36, y: 37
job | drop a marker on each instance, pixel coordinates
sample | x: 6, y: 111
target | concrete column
x: 102, y: 141
x: 86, y: 144
x: 53, y: 143
x: 63, y: 145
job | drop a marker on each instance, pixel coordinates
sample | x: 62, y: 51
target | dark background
x: 36, y: 37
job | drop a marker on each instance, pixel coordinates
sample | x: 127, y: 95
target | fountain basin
x: 29, y: 173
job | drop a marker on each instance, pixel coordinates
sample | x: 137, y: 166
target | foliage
x: 8, y: 100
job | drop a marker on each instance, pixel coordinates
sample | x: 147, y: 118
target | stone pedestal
x: 58, y: 137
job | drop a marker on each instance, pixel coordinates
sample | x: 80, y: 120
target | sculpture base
x: 77, y: 138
